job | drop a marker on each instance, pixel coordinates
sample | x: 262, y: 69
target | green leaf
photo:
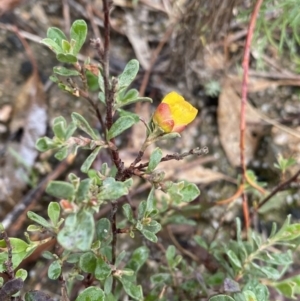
x: 82, y: 124
x: 123, y: 113
x: 142, y: 209
x: 250, y: 296
x: 189, y: 192
x: 201, y: 242
x: 270, y: 272
x: 91, y: 294
x: 120, y: 257
x: 73, y: 258
x: 35, y: 228
x: 234, y: 259
x: 78, y: 33
x: 54, y: 79
x: 277, y: 258
x: 21, y: 273
x: 60, y: 119
x: 62, y: 153
x: 288, y: 233
x: 71, y: 128
x: 160, y: 279
x: 128, y: 75
x: 128, y: 213
x: 90, y: 159
x: 66, y: 58
x: 43, y: 144
x: 108, y: 285
x: 38, y: 219
x: 112, y: 189
x: 82, y: 193
x: 20, y: 250
x: 154, y: 159
x: 170, y: 254
x: 150, y: 202
x: 48, y: 255
x: 65, y: 71
x: 138, y: 259
x: 56, y: 48
x: 66, y: 46
x: 221, y: 298
x: 60, y: 189
x: 122, y: 124
x: 103, y: 230
x: 88, y: 262
x: 183, y: 192
x: 167, y: 136
x: 130, y: 97
x: 78, y: 231
x: 54, y: 212
x: 123, y: 98
x: 172, y: 260
x: 102, y: 270
x: 133, y: 290
x: 56, y: 35
x: 287, y: 289
x: 149, y: 235
x: 54, y: 270
x: 153, y: 226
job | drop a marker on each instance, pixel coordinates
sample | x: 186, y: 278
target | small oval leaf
x: 122, y: 124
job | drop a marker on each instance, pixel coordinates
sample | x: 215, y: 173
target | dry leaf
x: 229, y: 124
x: 191, y: 171
x: 229, y: 118
x: 137, y: 40
x: 30, y: 116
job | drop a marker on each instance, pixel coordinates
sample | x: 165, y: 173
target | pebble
x: 5, y: 113
x: 3, y: 128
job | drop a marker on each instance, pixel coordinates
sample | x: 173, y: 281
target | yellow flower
x: 174, y: 113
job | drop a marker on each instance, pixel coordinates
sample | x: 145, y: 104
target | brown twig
x: 13, y: 218
x: 109, y: 92
x: 94, y: 106
x: 8, y: 264
x: 66, y: 14
x: 196, y: 151
x: 277, y: 189
x: 244, y: 104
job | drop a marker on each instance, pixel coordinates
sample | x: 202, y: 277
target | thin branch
x: 196, y: 151
x: 11, y: 220
x: 244, y: 104
x: 8, y: 264
x: 277, y: 189
x: 109, y: 92
x: 94, y: 106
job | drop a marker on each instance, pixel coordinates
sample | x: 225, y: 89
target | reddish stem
x: 244, y: 103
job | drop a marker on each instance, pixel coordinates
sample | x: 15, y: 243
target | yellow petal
x: 182, y: 112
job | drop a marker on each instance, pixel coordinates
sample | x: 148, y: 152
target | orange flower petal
x: 163, y: 118
x: 174, y: 113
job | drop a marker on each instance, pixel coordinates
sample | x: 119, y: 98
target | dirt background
x: 193, y: 47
